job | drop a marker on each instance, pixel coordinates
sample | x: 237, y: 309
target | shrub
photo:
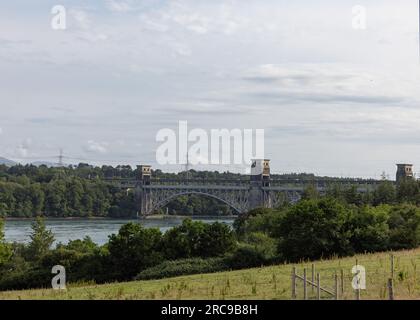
x: 32, y: 278
x: 134, y: 248
x: 246, y: 256
x: 198, y: 239
x: 404, y: 225
x: 315, y: 228
x: 181, y: 267
x: 370, y: 229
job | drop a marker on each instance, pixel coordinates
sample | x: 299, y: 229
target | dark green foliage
x: 29, y: 191
x: 181, y: 267
x: 408, y: 191
x: 370, y: 229
x: 31, y: 278
x: 198, y: 239
x: 41, y: 240
x: 246, y: 256
x: 404, y: 222
x: 134, y: 248
x: 5, y: 249
x: 385, y: 193
x: 259, y: 249
x: 313, y: 229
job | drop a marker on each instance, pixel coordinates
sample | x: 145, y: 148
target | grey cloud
x: 291, y: 97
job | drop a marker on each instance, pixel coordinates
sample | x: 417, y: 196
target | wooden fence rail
x: 315, y: 285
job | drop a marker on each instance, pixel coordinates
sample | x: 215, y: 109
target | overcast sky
x: 333, y: 100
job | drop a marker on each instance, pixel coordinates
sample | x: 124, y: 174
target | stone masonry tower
x: 404, y: 171
x: 260, y: 178
x: 144, y: 176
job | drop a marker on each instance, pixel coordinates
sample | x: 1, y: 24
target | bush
x: 246, y: 256
x: 404, y: 226
x: 28, y: 279
x: 134, y: 248
x: 315, y: 228
x: 181, y: 267
x: 198, y: 239
x: 370, y: 229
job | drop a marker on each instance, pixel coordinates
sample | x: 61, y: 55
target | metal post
x: 342, y: 281
x: 318, y: 287
x: 305, y: 291
x: 294, y: 283
x: 391, y: 289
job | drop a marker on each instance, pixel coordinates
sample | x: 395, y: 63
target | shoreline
x: 150, y: 217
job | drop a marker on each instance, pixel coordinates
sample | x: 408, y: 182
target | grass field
x: 258, y: 283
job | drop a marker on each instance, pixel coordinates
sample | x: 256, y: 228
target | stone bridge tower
x: 404, y: 172
x: 143, y: 194
x: 260, y: 179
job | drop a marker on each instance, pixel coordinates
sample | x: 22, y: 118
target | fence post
x: 313, y: 278
x: 357, y: 294
x: 335, y: 287
x: 358, y: 289
x: 305, y: 291
x: 318, y: 287
x: 392, y: 266
x: 294, y: 283
x: 342, y: 281
x: 391, y: 289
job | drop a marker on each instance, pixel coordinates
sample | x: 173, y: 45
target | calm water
x: 98, y: 230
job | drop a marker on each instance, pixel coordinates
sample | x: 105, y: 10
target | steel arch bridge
x: 241, y: 195
x: 236, y: 199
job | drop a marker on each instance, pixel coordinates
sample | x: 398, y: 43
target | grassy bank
x: 258, y: 283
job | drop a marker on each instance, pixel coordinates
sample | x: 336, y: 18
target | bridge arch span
x: 161, y: 203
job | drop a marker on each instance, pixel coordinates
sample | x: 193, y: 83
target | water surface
x: 99, y: 230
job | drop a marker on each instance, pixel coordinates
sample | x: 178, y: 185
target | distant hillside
x: 7, y: 162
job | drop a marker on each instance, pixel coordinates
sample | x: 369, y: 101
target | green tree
x: 217, y: 239
x: 41, y: 240
x: 133, y: 249
x: 384, y: 194
x: 408, y: 190
x: 370, y: 228
x: 404, y: 226
x: 315, y: 228
x: 5, y: 249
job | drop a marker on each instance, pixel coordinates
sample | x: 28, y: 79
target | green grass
x: 258, y: 283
